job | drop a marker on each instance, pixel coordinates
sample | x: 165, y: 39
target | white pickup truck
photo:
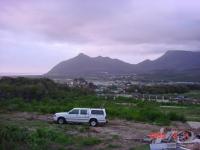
x: 93, y: 116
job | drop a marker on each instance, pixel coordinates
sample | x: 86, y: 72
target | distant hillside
x: 173, y: 61
x: 83, y: 65
x: 173, y: 65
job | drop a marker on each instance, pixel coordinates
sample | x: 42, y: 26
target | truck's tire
x: 61, y: 120
x: 93, y: 122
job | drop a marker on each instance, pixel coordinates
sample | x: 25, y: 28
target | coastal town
x: 125, y: 86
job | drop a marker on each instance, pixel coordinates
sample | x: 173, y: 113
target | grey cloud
x: 105, y: 21
x: 132, y: 30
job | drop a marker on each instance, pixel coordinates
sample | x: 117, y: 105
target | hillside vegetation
x: 38, y: 89
x: 45, y: 96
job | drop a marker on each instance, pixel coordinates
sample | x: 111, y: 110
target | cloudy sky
x: 37, y: 34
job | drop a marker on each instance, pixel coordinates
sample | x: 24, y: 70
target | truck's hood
x: 61, y: 113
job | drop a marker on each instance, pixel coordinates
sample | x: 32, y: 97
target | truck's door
x: 73, y: 115
x: 84, y: 115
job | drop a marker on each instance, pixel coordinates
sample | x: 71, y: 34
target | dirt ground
x: 117, y: 134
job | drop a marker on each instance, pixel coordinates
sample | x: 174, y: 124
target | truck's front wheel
x: 61, y: 120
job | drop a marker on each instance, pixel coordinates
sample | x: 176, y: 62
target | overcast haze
x: 37, y: 34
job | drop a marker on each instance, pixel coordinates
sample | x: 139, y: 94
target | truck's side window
x: 97, y: 112
x: 74, y: 111
x: 83, y: 112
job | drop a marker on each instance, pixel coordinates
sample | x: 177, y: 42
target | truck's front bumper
x: 54, y: 118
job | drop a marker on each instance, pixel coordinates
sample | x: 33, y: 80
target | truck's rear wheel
x: 93, y: 122
x: 61, y: 120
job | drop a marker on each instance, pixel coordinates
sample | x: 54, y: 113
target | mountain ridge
x: 175, y: 61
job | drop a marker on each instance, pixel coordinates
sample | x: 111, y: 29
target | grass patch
x: 112, y: 146
x: 142, y: 147
x: 89, y: 141
x: 12, y: 136
x: 115, y: 136
x: 34, y: 135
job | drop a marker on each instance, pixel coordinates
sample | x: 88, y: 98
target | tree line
x: 28, y: 88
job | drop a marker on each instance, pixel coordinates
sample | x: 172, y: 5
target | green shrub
x: 176, y: 117
x: 163, y: 120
